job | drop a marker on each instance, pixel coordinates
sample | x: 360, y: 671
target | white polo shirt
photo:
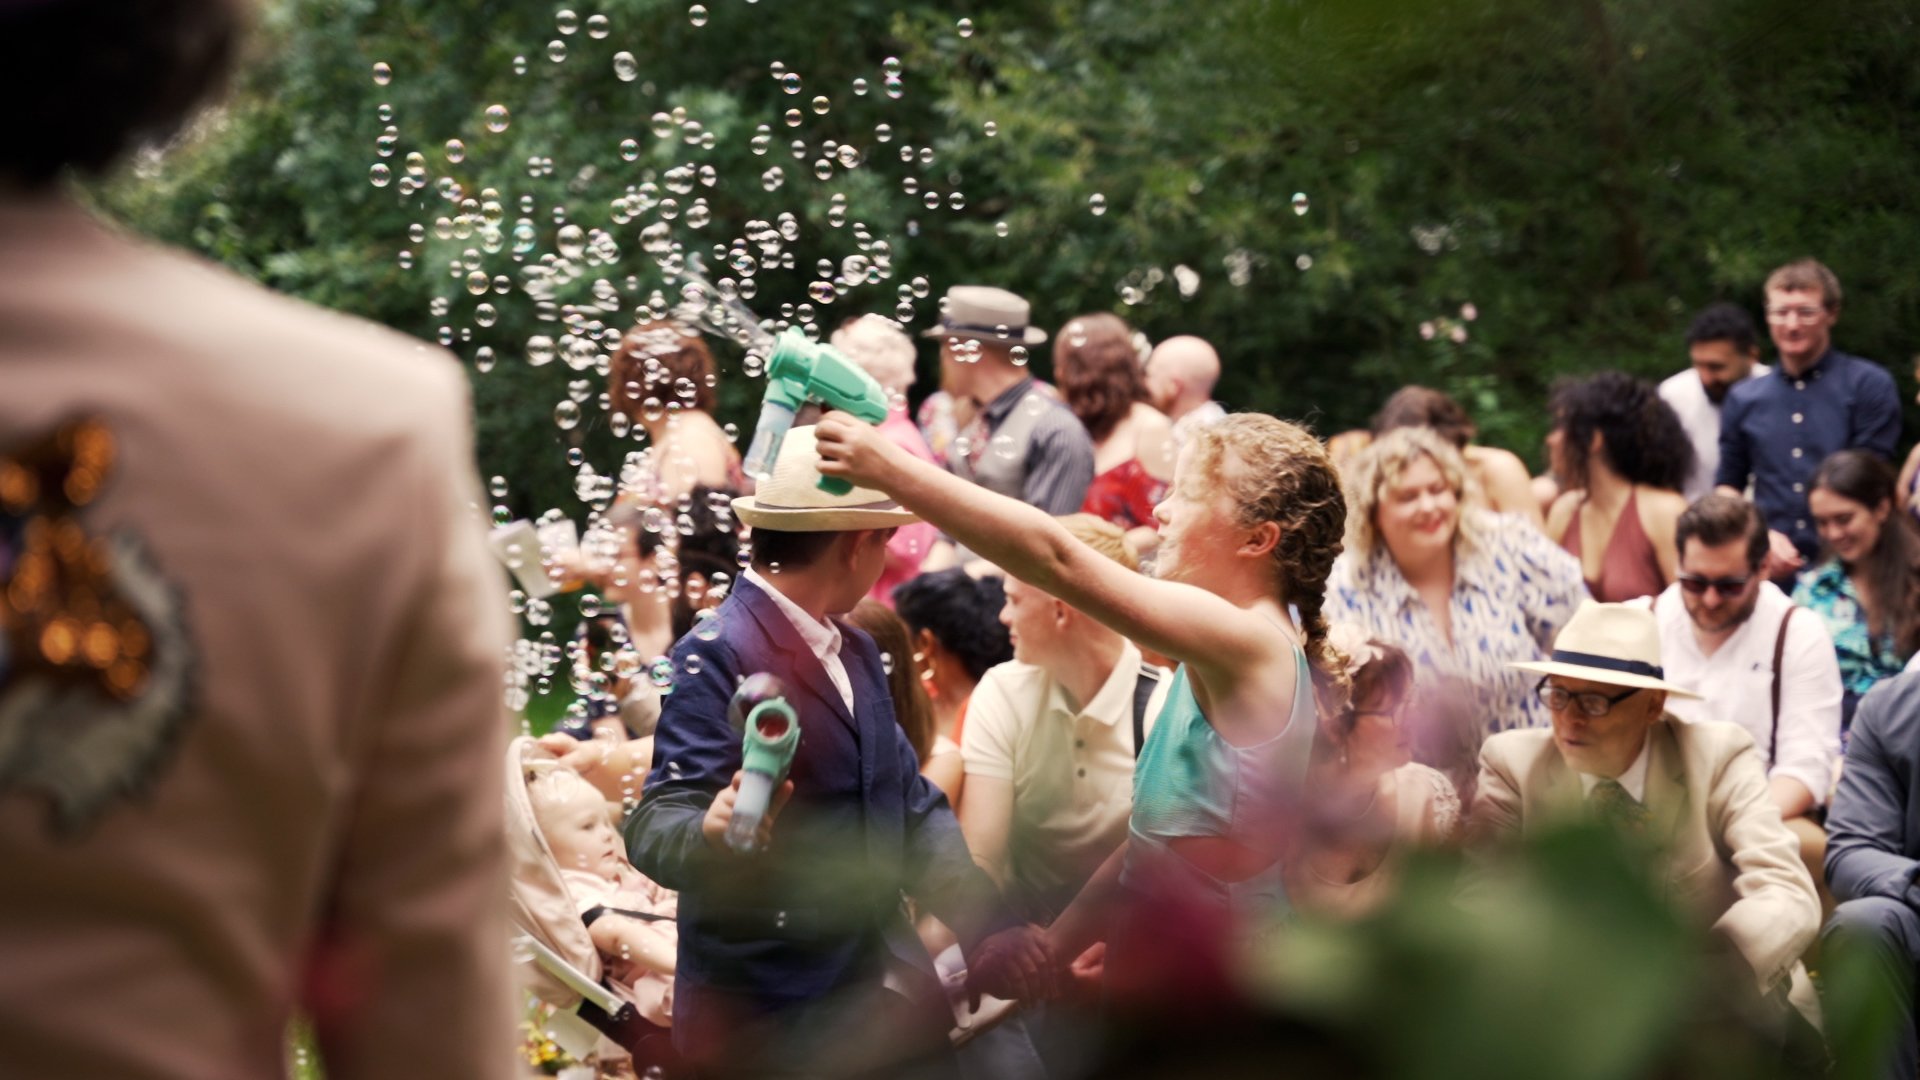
x: 1701, y: 419
x: 1736, y: 683
x: 1072, y: 771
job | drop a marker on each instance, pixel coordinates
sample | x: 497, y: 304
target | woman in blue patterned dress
x: 1867, y: 590
x: 1465, y: 592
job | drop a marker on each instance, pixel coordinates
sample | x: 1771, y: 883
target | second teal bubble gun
x: 804, y: 378
x: 770, y: 734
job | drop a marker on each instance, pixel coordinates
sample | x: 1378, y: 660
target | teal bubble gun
x: 770, y: 733
x: 805, y: 378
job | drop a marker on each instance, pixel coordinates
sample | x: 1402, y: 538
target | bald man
x: 1180, y: 377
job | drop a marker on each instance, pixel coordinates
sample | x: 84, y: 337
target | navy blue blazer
x: 819, y: 910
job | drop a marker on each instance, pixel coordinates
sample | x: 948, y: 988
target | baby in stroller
x: 575, y: 892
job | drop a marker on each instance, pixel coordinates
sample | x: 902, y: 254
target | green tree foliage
x: 1580, y: 176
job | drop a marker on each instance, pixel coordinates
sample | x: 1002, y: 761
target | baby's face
x: 582, y: 836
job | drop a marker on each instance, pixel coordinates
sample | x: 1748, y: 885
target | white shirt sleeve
x: 1809, y: 706
x: 987, y: 741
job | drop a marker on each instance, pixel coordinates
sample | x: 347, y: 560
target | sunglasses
x: 1725, y: 586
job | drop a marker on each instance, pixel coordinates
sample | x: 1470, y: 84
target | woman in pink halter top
x: 1624, y: 456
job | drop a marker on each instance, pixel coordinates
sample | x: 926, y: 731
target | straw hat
x: 790, y: 500
x: 1617, y: 644
x: 984, y: 313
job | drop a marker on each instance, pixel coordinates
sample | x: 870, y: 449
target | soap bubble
x: 477, y: 283
x: 557, y: 51
x: 456, y: 151
x: 964, y: 28
x: 567, y: 414
x: 629, y: 150
x: 821, y: 105
x: 1299, y: 203
x: 883, y: 132
x: 1097, y: 203
x: 625, y: 67
x: 539, y: 350
x: 990, y: 129
x: 822, y: 292
x: 697, y: 15
x: 859, y: 88
x: 662, y: 125
x: 771, y: 179
x: 1018, y: 354
x: 790, y: 82
x: 1000, y: 228
x: 1304, y: 262
x: 382, y: 74
x: 497, y: 118
x: 598, y: 27
x: 380, y: 174
x: 566, y: 21
x: 891, y: 65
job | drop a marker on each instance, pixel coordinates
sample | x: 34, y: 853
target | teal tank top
x: 1191, y: 782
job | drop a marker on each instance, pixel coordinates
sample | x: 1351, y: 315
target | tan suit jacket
x: 1729, y: 857
x: 322, y: 828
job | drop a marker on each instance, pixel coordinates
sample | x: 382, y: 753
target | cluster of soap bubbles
x: 576, y: 257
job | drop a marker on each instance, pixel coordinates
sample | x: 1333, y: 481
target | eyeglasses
x: 1595, y: 705
x: 1804, y: 314
x: 1725, y: 586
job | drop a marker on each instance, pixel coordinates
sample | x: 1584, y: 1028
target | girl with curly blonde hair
x: 1250, y: 530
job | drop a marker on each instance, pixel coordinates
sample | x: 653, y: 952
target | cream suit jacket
x: 321, y: 829
x: 1730, y: 859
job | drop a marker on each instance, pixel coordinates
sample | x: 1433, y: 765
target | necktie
x: 1611, y: 804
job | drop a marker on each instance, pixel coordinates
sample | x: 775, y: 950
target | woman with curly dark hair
x: 1103, y: 382
x: 1624, y: 456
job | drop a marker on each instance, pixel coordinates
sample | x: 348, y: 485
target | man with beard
x: 1725, y: 349
x: 1731, y: 636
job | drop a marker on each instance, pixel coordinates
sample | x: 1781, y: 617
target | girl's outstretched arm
x: 1177, y: 620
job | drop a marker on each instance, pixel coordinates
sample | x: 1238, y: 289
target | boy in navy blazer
x: 800, y: 958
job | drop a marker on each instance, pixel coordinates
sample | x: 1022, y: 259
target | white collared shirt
x: 1736, y: 683
x: 1634, y: 779
x: 1071, y: 768
x: 1700, y: 418
x: 823, y: 638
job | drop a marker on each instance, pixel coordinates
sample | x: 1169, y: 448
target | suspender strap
x: 1779, y: 651
x: 1143, y: 688
x: 592, y: 914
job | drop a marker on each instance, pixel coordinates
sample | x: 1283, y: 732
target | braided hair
x: 1284, y: 476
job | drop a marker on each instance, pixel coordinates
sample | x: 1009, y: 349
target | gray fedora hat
x: 984, y: 313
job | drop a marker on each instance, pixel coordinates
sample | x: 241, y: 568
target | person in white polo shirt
x: 1049, y: 747
x: 1729, y: 635
x: 1724, y: 350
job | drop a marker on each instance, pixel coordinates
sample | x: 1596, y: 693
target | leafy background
x: 1585, y: 175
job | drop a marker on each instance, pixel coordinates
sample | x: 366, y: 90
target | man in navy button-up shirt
x: 1776, y: 430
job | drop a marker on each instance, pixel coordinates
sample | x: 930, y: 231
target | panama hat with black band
x: 1616, y: 644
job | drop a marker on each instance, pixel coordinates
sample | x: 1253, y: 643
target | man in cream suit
x: 250, y: 638
x: 1696, y: 791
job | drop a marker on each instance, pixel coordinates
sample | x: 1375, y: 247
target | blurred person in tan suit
x: 250, y: 640
x: 1695, y: 792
